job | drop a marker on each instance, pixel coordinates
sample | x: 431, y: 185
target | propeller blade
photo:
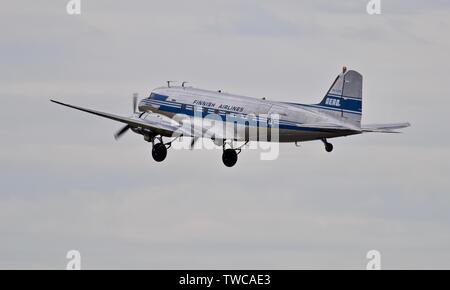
x: 121, y: 132
x: 193, y: 142
x: 135, y: 97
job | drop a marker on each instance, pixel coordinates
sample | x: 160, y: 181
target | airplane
x: 173, y: 111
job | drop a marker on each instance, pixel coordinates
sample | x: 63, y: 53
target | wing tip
x: 55, y: 101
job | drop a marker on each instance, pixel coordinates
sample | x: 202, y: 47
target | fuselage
x: 286, y: 118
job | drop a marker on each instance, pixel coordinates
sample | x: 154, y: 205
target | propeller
x: 135, y: 97
x: 127, y: 127
x: 121, y: 132
x: 193, y: 142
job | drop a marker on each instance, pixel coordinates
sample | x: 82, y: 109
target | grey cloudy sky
x: 66, y: 184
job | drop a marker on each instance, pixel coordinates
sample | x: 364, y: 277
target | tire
x: 229, y: 157
x: 159, y: 152
x: 329, y: 147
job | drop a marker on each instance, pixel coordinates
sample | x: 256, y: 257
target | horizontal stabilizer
x: 330, y: 127
x: 384, y: 128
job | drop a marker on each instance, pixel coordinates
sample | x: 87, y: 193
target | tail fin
x: 344, y: 99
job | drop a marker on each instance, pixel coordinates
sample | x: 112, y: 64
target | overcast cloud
x: 66, y: 184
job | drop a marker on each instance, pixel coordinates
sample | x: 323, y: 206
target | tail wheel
x: 328, y: 146
x: 159, y: 152
x: 229, y: 157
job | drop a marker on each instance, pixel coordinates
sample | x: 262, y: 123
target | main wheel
x: 328, y: 147
x: 229, y: 157
x: 159, y: 152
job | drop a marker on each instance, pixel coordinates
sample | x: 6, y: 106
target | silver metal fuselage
x: 192, y: 103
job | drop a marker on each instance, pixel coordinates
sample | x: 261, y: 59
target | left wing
x: 155, y: 123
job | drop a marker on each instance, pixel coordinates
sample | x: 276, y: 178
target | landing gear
x: 229, y: 157
x: 159, y: 152
x: 159, y: 149
x: 328, y: 146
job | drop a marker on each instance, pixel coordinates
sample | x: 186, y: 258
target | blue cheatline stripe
x: 354, y: 105
x: 177, y: 109
x: 199, y: 109
x: 221, y: 113
x: 161, y: 104
x: 158, y: 97
x: 331, y: 109
x: 325, y: 108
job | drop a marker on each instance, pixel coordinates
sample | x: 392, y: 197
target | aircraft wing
x: 154, y: 123
x: 384, y: 128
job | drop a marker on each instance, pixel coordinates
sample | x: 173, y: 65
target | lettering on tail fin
x: 333, y: 102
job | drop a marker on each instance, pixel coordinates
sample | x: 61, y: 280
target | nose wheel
x: 328, y: 146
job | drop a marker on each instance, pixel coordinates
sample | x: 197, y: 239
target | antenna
x: 344, y: 69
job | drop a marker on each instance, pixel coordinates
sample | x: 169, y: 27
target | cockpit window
x: 152, y: 96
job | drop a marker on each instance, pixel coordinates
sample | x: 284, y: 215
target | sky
x: 67, y: 184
